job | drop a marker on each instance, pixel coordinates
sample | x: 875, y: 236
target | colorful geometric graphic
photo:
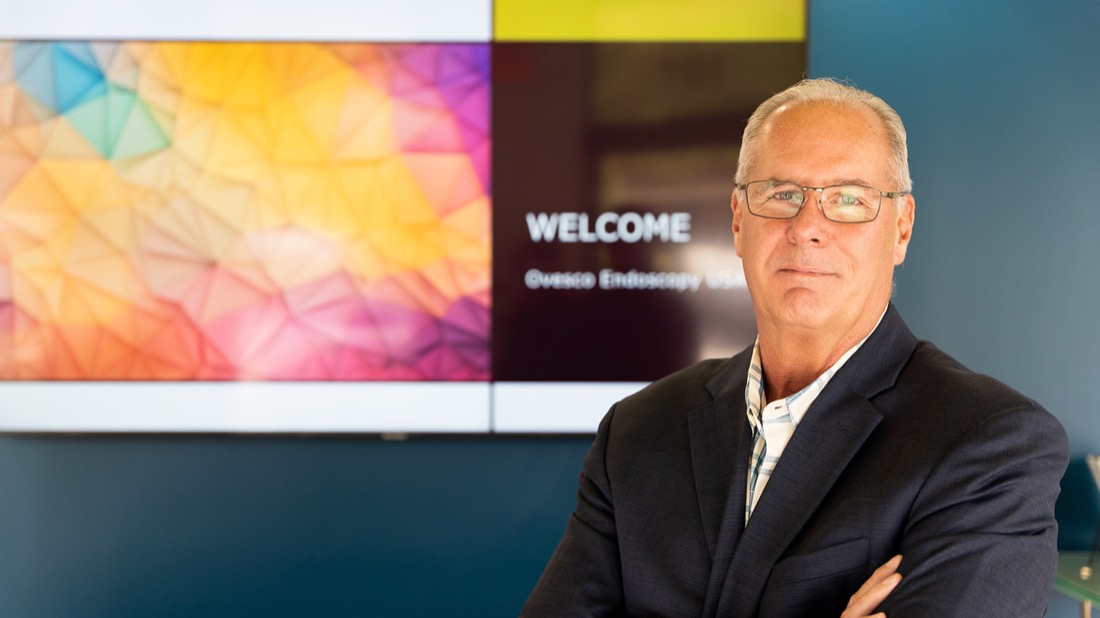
x: 233, y: 211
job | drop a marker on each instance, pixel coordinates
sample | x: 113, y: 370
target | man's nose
x: 809, y: 225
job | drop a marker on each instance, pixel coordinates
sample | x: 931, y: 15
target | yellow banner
x: 650, y: 20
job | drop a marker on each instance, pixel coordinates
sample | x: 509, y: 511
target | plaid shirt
x: 774, y: 423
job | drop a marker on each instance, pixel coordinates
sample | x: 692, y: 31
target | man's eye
x: 786, y: 196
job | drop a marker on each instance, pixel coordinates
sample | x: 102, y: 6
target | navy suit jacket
x: 904, y: 451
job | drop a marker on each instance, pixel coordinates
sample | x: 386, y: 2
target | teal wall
x: 123, y: 526
x: 1002, y: 101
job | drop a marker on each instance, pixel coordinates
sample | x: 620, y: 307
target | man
x: 774, y: 483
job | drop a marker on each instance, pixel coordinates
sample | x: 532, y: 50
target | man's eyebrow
x: 832, y: 183
x: 851, y: 181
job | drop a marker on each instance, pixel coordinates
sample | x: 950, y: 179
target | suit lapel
x: 720, y: 449
x: 829, y: 436
x: 715, y: 431
x: 826, y: 440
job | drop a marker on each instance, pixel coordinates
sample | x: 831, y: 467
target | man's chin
x: 805, y: 309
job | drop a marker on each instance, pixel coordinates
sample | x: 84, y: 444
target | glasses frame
x: 820, y: 191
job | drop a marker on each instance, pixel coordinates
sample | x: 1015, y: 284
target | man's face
x: 808, y: 272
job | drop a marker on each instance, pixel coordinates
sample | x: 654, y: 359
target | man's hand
x: 874, y: 591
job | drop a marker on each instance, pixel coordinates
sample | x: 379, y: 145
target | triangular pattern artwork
x: 240, y: 211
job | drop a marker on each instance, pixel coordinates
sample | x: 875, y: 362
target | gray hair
x: 826, y: 90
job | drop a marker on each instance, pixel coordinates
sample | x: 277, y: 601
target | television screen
x: 613, y: 259
x: 285, y: 235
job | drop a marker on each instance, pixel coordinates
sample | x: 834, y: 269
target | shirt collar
x: 798, y: 403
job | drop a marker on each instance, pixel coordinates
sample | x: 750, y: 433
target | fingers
x: 874, y: 591
x: 880, y: 574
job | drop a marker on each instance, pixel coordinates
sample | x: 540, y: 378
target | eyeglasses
x: 775, y: 199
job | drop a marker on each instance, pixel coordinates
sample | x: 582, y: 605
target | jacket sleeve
x: 982, y: 538
x: 583, y: 577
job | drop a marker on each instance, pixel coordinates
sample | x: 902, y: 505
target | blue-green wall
x: 102, y: 526
x: 1002, y: 101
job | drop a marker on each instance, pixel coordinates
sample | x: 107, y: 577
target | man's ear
x: 738, y: 211
x: 906, y: 214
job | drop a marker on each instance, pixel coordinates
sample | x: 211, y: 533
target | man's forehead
x: 823, y: 142
x: 804, y: 116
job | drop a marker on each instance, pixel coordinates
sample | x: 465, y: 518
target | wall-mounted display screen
x: 313, y: 236
x: 613, y: 254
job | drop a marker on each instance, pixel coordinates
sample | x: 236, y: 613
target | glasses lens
x: 850, y: 203
x: 774, y: 200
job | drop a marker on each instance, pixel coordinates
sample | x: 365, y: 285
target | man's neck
x: 793, y: 358
x: 790, y: 367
